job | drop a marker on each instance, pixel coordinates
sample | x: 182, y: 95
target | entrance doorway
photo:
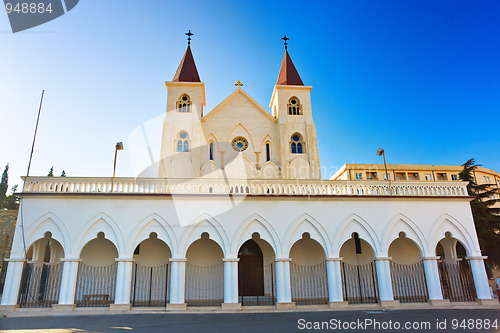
x: 250, y: 270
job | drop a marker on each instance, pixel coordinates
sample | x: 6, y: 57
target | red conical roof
x: 187, y: 71
x: 288, y: 74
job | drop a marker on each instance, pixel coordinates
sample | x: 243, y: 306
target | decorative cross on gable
x: 285, y: 38
x: 189, y: 34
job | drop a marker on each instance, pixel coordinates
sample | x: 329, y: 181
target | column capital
x: 124, y: 259
x: 282, y: 259
x: 382, y: 258
x: 334, y: 259
x: 477, y: 258
x: 71, y: 259
x: 230, y: 259
x: 178, y: 260
x: 431, y: 258
x: 15, y: 259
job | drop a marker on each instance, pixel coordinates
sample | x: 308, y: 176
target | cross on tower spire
x: 285, y: 39
x: 189, y: 34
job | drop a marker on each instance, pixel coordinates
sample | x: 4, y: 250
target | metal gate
x: 40, y: 285
x: 150, y: 285
x: 359, y: 283
x: 204, y: 285
x: 3, y: 273
x: 457, y: 282
x: 309, y: 284
x: 95, y: 286
x: 408, y: 282
x: 269, y: 297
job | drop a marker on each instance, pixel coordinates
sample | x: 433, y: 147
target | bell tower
x: 291, y: 105
x: 182, y: 134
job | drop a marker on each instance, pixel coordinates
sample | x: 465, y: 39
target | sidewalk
x: 39, y: 312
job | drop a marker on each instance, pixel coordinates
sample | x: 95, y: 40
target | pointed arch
x: 240, y: 130
x: 447, y: 223
x: 355, y: 223
x: 48, y: 222
x: 402, y: 223
x: 306, y: 223
x: 99, y: 223
x: 204, y: 223
x: 152, y: 223
x: 211, y: 137
x: 255, y: 223
x: 267, y: 138
x: 270, y: 170
x: 240, y: 168
x: 210, y: 168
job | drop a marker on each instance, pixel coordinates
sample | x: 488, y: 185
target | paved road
x: 279, y: 322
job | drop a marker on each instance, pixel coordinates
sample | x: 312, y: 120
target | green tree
x: 4, y: 184
x: 63, y: 174
x: 486, y: 216
x: 51, y: 172
x: 11, y: 201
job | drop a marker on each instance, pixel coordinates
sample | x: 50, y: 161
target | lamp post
x: 381, y: 152
x: 119, y: 146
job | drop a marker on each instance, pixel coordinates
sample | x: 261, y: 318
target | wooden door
x: 250, y: 270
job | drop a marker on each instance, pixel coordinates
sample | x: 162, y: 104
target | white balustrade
x: 248, y: 187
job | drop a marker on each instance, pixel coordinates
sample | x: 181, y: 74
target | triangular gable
x: 233, y: 95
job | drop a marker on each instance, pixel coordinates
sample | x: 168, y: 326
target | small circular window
x: 183, y: 135
x: 239, y: 144
x: 293, y: 101
x: 295, y: 138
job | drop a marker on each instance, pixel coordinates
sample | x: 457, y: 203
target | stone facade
x: 7, y: 226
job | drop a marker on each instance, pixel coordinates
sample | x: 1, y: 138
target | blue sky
x: 419, y: 78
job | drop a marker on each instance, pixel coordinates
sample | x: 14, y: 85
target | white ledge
x: 279, y: 187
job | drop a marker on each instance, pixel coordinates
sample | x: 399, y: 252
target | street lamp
x: 381, y: 152
x: 119, y: 146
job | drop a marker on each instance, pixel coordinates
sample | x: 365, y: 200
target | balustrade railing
x: 62, y: 185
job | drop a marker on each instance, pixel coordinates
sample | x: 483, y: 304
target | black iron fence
x: 95, y: 286
x: 408, y: 282
x: 40, y: 285
x: 3, y: 273
x: 204, y: 285
x: 457, y: 282
x: 359, y: 283
x: 309, y: 284
x: 269, y: 297
x: 150, y: 285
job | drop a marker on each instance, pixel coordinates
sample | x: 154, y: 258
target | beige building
x: 238, y: 139
x: 409, y: 172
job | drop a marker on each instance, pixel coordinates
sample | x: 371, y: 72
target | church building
x: 239, y: 216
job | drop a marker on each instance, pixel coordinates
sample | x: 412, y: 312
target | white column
x: 384, y: 280
x: 68, y: 281
x: 334, y: 275
x: 283, y: 288
x: 177, y: 280
x: 123, y: 280
x: 231, y: 280
x: 432, y: 278
x: 480, y: 277
x: 12, y: 281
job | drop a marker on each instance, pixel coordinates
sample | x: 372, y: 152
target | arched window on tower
x: 297, y: 145
x: 268, y: 151
x: 184, y: 104
x: 211, y: 151
x: 294, y: 107
x: 182, y: 142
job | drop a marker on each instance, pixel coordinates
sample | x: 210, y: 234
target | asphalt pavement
x: 444, y: 320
